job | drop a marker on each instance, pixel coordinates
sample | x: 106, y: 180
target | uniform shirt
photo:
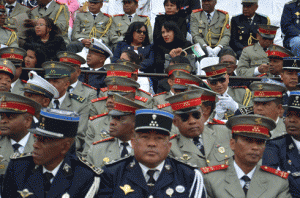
x: 157, y: 172
x: 256, y: 72
x: 13, y: 84
x: 276, y: 124
x: 129, y: 147
x: 297, y: 144
x: 211, y: 14
x: 22, y: 142
x: 80, y: 39
x: 54, y: 171
x: 131, y: 17
x: 14, y: 5
x: 73, y: 86
x: 240, y: 173
x: 60, y: 101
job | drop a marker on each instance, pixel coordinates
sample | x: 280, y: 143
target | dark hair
x: 228, y: 52
x: 179, y: 39
x: 211, y: 104
x: 134, y: 57
x: 135, y: 1
x: 180, y: 59
x: 54, y: 29
x: 176, y: 2
x: 128, y: 38
x: 39, y: 53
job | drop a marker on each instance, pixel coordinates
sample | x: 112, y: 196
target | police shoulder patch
x: 77, y: 98
x: 222, y: 11
x: 160, y: 94
x: 104, y: 140
x: 210, y: 169
x: 98, y: 116
x: 197, y: 10
x: 87, y: 85
x: 99, y: 99
x: 18, y: 155
x: 274, y: 171
x: 118, y: 160
x: 97, y: 170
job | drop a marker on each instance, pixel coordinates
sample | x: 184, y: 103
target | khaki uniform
x: 252, y: 57
x: 280, y: 129
x: 219, y: 127
x: 18, y: 9
x: 225, y: 183
x: 86, y: 27
x: 121, y: 23
x: 216, y: 148
x: 6, y: 150
x: 8, y: 37
x: 161, y: 103
x: 213, y: 34
x: 58, y: 12
x: 85, y: 90
x: 17, y: 89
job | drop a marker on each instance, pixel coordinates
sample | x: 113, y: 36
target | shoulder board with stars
x: 89, y: 86
x: 117, y: 160
x: 274, y: 171
x: 145, y: 92
x: 215, y: 121
x: 99, y: 99
x: 106, y: 15
x: 104, y: 140
x: 105, y: 89
x: 197, y: 10
x: 17, y: 155
x: 222, y: 11
x: 237, y: 87
x: 140, y: 98
x: 119, y: 15
x: 210, y: 169
x: 60, y: 3
x: 98, y: 116
x: 163, y: 105
x: 183, y: 162
x: 97, y: 170
x: 143, y: 15
x: 173, y: 136
x: 76, y: 97
x: 24, y: 81
x: 160, y: 93
x: 8, y: 29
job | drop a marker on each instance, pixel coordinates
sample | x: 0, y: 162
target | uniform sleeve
x: 76, y: 29
x: 82, y: 127
x: 244, y: 68
x: 118, y: 51
x: 271, y: 155
x: 226, y: 34
x: 9, y: 185
x: 234, y: 42
x: 63, y: 19
x: 147, y: 63
x: 106, y: 185
x: 89, y: 138
x: 284, y: 192
x: 197, y: 37
x: 113, y: 33
x: 287, y: 26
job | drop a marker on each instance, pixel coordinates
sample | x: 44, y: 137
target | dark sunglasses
x: 140, y: 31
x: 179, y: 90
x: 185, y: 116
x: 215, y: 81
x: 270, y: 39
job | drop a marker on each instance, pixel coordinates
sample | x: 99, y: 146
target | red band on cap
x: 124, y: 108
x: 186, y: 104
x: 121, y: 88
x: 276, y: 53
x: 2, y: 7
x: 217, y: 72
x: 70, y: 60
x: 275, y: 94
x: 119, y: 73
x: 136, y: 72
x: 208, y: 98
x: 180, y: 81
x: 12, y: 56
x: 272, y: 32
x: 18, y: 106
x: 6, y: 69
x: 251, y: 129
x: 171, y: 71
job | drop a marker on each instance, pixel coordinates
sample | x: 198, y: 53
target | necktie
x: 94, y: 16
x: 56, y: 102
x: 208, y: 18
x: 265, y: 49
x: 247, y: 183
x: 47, y: 182
x: 199, y: 145
x: 124, y: 151
x: 130, y: 17
x: 151, y: 181
x: 10, y: 9
x: 16, y: 147
x: 45, y: 8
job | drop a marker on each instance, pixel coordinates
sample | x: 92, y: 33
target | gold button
x: 226, y: 155
x: 208, y: 161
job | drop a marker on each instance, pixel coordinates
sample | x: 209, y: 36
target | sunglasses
x: 140, y: 32
x: 185, y: 116
x: 214, y: 82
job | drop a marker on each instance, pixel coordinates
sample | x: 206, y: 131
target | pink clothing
x: 73, y: 5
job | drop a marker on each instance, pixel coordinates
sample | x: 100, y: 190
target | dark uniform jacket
x: 95, y: 80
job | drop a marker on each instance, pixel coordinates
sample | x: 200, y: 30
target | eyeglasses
x: 214, y: 82
x: 40, y: 24
x: 140, y: 31
x: 185, y: 116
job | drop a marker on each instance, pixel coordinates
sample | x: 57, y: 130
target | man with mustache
x: 244, y: 177
x: 8, y: 36
x: 150, y: 172
x: 7, y: 74
x: 282, y: 153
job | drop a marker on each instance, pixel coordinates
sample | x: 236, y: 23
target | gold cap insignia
x: 52, y: 65
x: 258, y: 121
x: 12, y: 50
x: 25, y: 193
x: 260, y: 87
x: 295, y: 64
x: 106, y: 160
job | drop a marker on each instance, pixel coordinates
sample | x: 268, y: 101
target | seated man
x: 7, y: 74
x: 289, y: 75
x: 244, y: 177
x: 150, y: 172
x: 51, y: 170
x: 254, y: 60
x: 8, y: 36
x: 13, y: 8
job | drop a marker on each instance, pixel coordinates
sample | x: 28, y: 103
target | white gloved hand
x: 220, y: 111
x: 216, y: 51
x: 210, y: 51
x: 228, y: 103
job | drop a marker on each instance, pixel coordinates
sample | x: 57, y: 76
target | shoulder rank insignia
x: 8, y: 29
x: 140, y: 98
x: 104, y: 89
x: 89, y: 86
x: 215, y: 121
x: 98, y: 116
x: 160, y: 93
x: 261, y: 75
x: 60, y: 3
x: 17, y: 155
x: 118, y: 160
x: 197, y: 10
x: 99, y: 99
x: 24, y: 81
x: 163, y: 105
x: 262, y: 15
x: 145, y: 92
x: 104, y: 140
x: 143, y: 15
x: 184, y: 162
x: 275, y: 171
x: 173, y: 136
x: 119, y: 15
x: 91, y: 166
x: 106, y: 15
x: 210, y: 169
x: 76, y: 97
x: 224, y: 12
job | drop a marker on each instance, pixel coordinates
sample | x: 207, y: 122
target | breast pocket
x: 222, y: 153
x: 201, y: 29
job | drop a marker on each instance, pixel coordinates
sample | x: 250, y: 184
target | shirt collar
x: 240, y: 173
x: 74, y: 84
x: 13, y: 84
x: 59, y: 99
x: 22, y: 142
x: 54, y: 171
x: 297, y: 142
x: 120, y: 141
x: 95, y: 14
x: 211, y: 14
x: 14, y: 4
x: 132, y: 15
x: 145, y: 168
x: 48, y: 5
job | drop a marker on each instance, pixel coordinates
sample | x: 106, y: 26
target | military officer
x: 210, y: 28
x: 230, y: 98
x: 16, y: 116
x: 196, y: 144
x: 13, y: 8
x: 58, y: 74
x: 282, y: 153
x: 268, y: 102
x: 150, y: 172
x: 254, y: 60
x: 8, y: 36
x: 289, y: 75
x: 7, y: 73
x: 121, y: 131
x: 91, y: 24
x: 244, y: 26
x: 51, y: 170
x: 16, y: 56
x: 244, y: 177
x: 121, y: 22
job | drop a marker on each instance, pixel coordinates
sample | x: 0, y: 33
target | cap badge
x: 25, y: 193
x: 127, y: 189
x: 185, y: 157
x: 112, y: 68
x: 258, y: 121
x: 106, y: 160
x: 52, y: 65
x: 5, y: 62
x: 12, y: 50
x: 169, y: 191
x: 274, y: 48
x: 65, y: 54
x: 185, y: 97
x: 260, y: 87
x: 295, y: 64
x: 124, y: 63
x: 153, y: 122
x: 213, y: 68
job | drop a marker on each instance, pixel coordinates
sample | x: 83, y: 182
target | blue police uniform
x: 95, y: 80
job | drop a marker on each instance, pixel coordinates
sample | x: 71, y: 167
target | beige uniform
x: 17, y: 89
x: 8, y: 37
x: 252, y: 57
x: 213, y: 34
x: 85, y: 90
x: 18, y: 9
x: 280, y: 129
x: 86, y: 27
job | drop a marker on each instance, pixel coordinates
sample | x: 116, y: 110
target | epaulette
x: 60, y: 3
x: 210, y: 169
x: 104, y: 140
x: 183, y: 162
x: 163, y: 105
x: 237, y: 87
x: 262, y: 15
x: 17, y: 155
x: 143, y: 15
x: 118, y: 15
x: 76, y: 97
x: 99, y: 99
x: 117, y: 160
x: 215, y: 121
x: 197, y: 10
x: 224, y: 12
x: 33, y: 8
x: 145, y: 92
x: 97, y: 170
x: 261, y: 75
x: 248, y: 46
x: 8, y: 29
x: 104, y: 89
x: 275, y: 171
x: 140, y: 98
x: 160, y: 93
x: 106, y: 15
x: 24, y: 81
x: 89, y: 86
x: 173, y: 136
x: 98, y: 116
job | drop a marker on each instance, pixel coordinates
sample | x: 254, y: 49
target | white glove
x: 220, y: 111
x: 228, y: 103
x: 210, y: 51
x: 216, y: 51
